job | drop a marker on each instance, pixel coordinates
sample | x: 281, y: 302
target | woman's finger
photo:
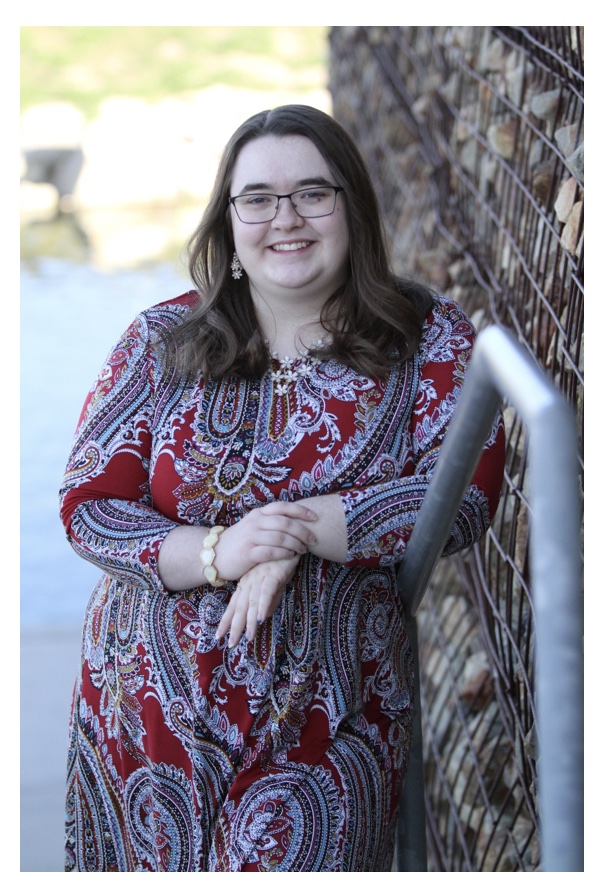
x: 252, y: 618
x: 234, y: 617
x: 282, y: 532
x: 225, y: 622
x: 292, y: 509
x: 271, y: 593
x: 240, y: 615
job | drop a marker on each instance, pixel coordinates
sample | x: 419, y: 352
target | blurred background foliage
x: 83, y: 65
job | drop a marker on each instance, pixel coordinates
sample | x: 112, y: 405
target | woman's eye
x: 257, y: 200
x: 313, y: 195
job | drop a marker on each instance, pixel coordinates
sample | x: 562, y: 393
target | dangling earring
x: 236, y: 269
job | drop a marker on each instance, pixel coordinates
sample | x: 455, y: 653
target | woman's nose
x: 286, y: 213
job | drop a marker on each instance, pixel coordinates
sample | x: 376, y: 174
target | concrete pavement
x: 49, y: 662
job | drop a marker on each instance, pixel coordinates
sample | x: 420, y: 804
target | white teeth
x: 289, y: 247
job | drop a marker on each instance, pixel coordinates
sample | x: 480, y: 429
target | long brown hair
x: 374, y: 320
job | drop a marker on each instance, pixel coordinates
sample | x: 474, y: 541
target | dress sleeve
x: 380, y: 518
x: 105, y: 497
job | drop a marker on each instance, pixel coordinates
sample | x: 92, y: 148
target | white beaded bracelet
x: 208, y: 555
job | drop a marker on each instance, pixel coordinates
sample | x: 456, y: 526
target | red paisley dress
x: 286, y: 753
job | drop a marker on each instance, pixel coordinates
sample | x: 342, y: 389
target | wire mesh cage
x: 474, y: 137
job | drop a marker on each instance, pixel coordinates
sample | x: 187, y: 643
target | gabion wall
x: 474, y: 136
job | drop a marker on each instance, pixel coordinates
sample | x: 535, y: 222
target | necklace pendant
x: 291, y: 370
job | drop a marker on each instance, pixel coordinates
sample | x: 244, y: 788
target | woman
x: 246, y: 472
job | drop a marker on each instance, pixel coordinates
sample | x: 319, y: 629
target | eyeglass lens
x: 310, y: 203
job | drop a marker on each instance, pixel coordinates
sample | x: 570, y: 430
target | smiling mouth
x: 290, y: 247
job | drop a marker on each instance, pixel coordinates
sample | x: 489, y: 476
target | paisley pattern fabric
x: 286, y: 753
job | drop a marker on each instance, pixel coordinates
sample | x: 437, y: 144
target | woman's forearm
x: 329, y: 527
x: 178, y: 563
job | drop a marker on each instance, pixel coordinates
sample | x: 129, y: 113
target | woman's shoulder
x: 152, y: 322
x: 171, y: 311
x: 447, y: 315
x: 446, y: 308
x: 448, y: 330
x: 150, y: 326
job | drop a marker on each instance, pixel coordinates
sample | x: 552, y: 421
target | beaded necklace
x: 290, y: 370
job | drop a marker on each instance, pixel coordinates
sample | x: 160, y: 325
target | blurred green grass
x: 83, y: 65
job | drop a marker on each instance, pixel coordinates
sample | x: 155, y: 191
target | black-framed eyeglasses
x: 312, y: 202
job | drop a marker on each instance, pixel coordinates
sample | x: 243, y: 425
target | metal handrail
x: 500, y: 368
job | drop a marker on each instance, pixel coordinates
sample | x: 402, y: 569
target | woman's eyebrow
x: 309, y: 181
x: 253, y: 188
x: 304, y: 182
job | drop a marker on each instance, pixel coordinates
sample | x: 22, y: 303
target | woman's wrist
x: 207, y: 556
x: 179, y: 565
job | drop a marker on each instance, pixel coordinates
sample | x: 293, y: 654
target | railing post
x: 411, y: 843
x: 500, y: 368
